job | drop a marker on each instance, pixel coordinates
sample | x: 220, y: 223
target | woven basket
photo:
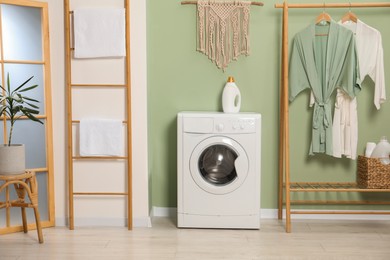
x: 372, y: 174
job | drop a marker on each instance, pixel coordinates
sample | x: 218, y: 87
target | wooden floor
x: 330, y: 239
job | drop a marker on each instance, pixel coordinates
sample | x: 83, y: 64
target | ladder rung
x: 99, y: 85
x: 78, y: 121
x: 100, y: 193
x: 99, y: 157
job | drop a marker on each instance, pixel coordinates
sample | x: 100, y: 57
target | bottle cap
x: 230, y: 79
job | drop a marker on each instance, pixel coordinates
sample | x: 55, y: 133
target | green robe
x: 323, y: 63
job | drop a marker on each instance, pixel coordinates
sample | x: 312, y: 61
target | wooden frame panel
x: 48, y: 110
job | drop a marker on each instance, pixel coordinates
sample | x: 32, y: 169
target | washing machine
x: 218, y: 167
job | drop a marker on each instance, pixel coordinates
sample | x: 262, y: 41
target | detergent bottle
x: 231, y: 97
x: 382, y: 151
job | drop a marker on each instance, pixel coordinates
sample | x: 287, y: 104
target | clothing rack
x: 285, y: 186
x: 195, y: 2
x: 71, y: 122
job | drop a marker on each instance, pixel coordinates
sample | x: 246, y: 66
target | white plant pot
x: 12, y: 159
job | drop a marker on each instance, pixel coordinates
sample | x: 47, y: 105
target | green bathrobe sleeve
x: 298, y: 77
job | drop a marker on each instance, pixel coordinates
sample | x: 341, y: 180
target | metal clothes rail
x: 285, y: 186
x: 127, y: 121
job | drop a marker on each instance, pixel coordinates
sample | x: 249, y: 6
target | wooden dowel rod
x: 78, y: 121
x: 338, y: 190
x: 286, y: 117
x: 339, y: 202
x: 195, y: 2
x: 343, y: 212
x: 334, y: 5
x: 99, y: 85
x: 25, y: 117
x: 100, y: 193
x: 99, y: 157
x: 326, y: 183
x: 38, y: 170
x: 22, y: 62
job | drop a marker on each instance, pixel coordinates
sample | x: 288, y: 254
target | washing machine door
x: 219, y: 165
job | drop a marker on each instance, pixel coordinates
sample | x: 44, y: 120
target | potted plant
x: 13, y: 105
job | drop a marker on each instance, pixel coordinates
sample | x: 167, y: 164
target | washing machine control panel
x: 235, y: 125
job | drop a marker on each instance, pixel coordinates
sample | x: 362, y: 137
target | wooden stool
x: 26, y: 182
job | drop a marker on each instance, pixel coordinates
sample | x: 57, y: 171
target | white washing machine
x: 219, y: 170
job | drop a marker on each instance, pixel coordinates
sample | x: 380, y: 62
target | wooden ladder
x: 71, y: 122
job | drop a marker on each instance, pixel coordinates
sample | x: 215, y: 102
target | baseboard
x: 105, y: 222
x: 273, y: 214
x: 163, y: 212
x: 172, y: 213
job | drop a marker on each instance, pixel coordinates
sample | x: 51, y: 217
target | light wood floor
x: 330, y: 239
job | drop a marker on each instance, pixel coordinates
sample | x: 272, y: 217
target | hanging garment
x: 323, y: 63
x: 223, y: 30
x: 345, y: 120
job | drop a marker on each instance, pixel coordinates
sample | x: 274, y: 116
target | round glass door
x: 219, y: 165
x: 216, y: 164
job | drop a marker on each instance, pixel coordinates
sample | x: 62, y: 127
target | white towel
x: 101, y: 137
x: 99, y: 32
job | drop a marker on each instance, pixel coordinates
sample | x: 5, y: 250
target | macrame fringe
x: 223, y: 30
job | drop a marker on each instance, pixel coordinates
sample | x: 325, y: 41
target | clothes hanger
x: 323, y: 17
x: 349, y: 16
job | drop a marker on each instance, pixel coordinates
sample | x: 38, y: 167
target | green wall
x: 182, y: 79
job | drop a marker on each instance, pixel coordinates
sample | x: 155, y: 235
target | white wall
x: 103, y: 211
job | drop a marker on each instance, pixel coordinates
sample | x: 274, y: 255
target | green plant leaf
x: 8, y: 84
x: 20, y: 85
x: 33, y: 118
x: 16, y: 109
x: 28, y: 88
x: 17, y: 97
x: 32, y: 105
x: 29, y: 110
x: 14, y: 105
x: 31, y: 99
x: 3, y: 89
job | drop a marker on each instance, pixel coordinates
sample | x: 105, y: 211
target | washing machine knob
x: 220, y: 127
x: 242, y: 126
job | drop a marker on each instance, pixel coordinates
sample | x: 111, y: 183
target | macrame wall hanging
x: 223, y: 30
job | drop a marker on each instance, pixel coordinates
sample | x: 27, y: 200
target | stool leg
x: 34, y: 201
x: 24, y: 219
x: 20, y: 191
x: 38, y: 221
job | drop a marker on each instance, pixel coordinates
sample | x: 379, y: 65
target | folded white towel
x: 99, y: 32
x: 101, y: 137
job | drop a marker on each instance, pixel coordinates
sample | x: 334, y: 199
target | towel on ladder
x: 99, y: 32
x: 101, y: 137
